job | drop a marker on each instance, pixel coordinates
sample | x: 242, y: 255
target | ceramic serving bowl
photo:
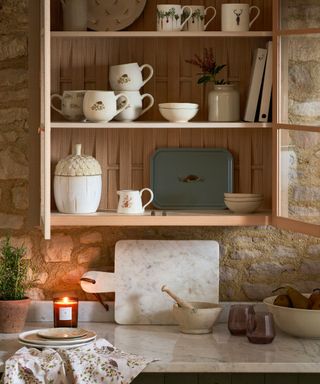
x: 198, y: 320
x: 243, y: 206
x: 296, y: 322
x: 244, y: 199
x: 178, y: 112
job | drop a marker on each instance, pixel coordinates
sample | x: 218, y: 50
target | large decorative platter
x: 113, y: 15
x: 191, y: 178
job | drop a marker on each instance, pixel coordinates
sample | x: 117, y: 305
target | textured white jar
x: 224, y: 103
x: 77, y: 183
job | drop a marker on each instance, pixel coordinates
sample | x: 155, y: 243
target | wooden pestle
x: 178, y: 300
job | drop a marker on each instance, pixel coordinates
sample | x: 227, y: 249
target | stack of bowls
x: 178, y: 112
x: 243, y: 202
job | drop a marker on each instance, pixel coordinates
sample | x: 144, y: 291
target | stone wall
x: 253, y: 260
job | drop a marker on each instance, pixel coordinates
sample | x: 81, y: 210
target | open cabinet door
x: 45, y: 141
x: 296, y: 121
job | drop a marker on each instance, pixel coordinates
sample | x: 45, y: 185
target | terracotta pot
x: 13, y: 314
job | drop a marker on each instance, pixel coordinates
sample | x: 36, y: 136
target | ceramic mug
x: 134, y: 108
x: 71, y: 105
x: 130, y: 202
x: 75, y: 15
x: 101, y: 106
x: 128, y: 77
x: 169, y: 17
x: 236, y: 17
x: 197, y: 20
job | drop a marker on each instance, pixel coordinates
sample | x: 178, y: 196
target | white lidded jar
x: 224, y: 103
x: 77, y: 183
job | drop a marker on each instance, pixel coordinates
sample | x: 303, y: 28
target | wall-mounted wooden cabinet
x: 80, y: 60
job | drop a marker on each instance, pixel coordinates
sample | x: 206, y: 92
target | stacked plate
x: 243, y: 202
x: 57, y: 338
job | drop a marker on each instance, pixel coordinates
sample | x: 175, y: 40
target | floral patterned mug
x: 130, y: 202
x: 198, y: 15
x: 169, y: 17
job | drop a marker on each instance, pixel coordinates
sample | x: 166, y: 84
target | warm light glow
x: 65, y: 300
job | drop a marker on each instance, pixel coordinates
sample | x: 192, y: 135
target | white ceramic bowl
x: 242, y: 206
x: 197, y: 321
x: 178, y: 112
x: 296, y: 322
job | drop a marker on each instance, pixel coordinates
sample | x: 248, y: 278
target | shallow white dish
x: 54, y: 346
x: 110, y: 15
x: 32, y: 337
x: 296, y: 322
x: 243, y: 206
x: 243, y: 195
x: 243, y: 200
x: 62, y: 333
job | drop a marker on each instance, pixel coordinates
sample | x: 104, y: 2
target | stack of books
x: 258, y: 107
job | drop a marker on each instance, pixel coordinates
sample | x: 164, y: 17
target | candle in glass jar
x: 65, y: 312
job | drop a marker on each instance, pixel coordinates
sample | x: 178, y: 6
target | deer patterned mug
x: 170, y: 17
x: 236, y: 17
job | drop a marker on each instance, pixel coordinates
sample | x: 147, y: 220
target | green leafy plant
x: 208, y: 66
x: 13, y: 272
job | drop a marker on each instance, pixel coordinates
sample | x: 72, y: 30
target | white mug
x: 197, y: 20
x: 236, y: 17
x: 130, y: 202
x: 75, y: 15
x: 128, y: 77
x: 101, y: 106
x: 71, y: 105
x: 134, y: 109
x: 169, y: 17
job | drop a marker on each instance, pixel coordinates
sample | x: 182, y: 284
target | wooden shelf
x: 160, y: 124
x: 172, y: 218
x: 157, y: 34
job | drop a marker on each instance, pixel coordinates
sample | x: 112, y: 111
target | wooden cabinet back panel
x: 124, y: 155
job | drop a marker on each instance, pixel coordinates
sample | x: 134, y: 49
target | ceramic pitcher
x: 130, y: 202
x: 74, y: 15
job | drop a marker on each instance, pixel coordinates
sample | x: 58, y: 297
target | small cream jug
x: 130, y: 202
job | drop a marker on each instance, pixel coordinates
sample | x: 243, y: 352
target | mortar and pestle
x: 194, y: 317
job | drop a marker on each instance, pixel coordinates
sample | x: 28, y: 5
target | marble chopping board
x: 190, y: 268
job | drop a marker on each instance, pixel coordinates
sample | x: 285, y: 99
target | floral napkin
x: 97, y: 362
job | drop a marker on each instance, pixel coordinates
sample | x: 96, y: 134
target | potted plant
x: 224, y: 99
x: 13, y: 283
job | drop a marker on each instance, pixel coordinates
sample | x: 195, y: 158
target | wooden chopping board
x: 190, y: 268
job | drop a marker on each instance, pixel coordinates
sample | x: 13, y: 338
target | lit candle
x: 65, y: 312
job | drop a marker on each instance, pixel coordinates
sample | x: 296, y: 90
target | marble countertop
x: 215, y: 352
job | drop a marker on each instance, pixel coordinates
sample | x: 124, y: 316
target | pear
x: 283, y: 301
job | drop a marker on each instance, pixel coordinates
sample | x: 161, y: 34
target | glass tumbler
x: 260, y: 328
x: 238, y: 318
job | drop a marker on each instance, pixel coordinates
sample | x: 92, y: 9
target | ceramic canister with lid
x: 77, y: 183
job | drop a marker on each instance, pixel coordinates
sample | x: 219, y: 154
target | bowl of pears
x: 296, y: 313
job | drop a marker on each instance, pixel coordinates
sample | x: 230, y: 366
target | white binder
x: 258, y: 65
x: 267, y: 86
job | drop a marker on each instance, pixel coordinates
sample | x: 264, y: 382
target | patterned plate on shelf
x: 113, y: 15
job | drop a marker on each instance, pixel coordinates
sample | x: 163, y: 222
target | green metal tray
x: 190, y: 178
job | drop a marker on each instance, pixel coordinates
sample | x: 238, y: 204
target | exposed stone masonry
x: 253, y: 260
